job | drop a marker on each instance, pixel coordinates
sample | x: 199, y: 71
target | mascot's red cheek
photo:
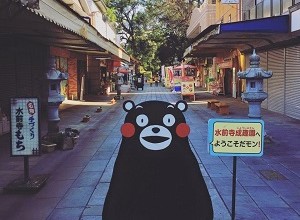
x: 127, y: 130
x: 182, y: 130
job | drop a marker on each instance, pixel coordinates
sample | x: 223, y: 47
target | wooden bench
x: 211, y: 103
x: 190, y: 97
x: 222, y: 108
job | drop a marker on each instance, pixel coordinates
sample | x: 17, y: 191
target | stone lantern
x: 55, y: 98
x: 254, y: 93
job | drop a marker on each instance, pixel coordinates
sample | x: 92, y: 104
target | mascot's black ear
x: 128, y: 105
x: 181, y: 105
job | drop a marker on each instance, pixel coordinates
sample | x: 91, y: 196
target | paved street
x: 268, y: 187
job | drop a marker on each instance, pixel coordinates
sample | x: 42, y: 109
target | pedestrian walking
x: 120, y: 82
x: 156, y: 81
x: 151, y: 82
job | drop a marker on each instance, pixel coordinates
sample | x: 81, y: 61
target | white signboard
x: 235, y: 137
x: 24, y: 127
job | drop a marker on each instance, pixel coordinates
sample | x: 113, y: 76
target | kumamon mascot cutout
x: 156, y: 175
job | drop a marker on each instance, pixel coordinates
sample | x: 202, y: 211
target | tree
x: 153, y: 31
x: 174, y: 16
x: 128, y: 17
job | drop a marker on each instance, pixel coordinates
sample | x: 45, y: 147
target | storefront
x: 276, y: 40
x: 31, y: 37
x: 282, y: 87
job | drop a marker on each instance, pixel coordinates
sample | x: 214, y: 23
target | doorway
x: 228, y: 82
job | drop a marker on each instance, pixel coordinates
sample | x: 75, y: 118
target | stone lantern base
x: 254, y: 100
x: 254, y: 109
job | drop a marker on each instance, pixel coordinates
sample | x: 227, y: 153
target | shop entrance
x: 228, y: 82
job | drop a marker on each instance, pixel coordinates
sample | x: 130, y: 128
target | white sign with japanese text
x: 235, y: 137
x: 24, y: 126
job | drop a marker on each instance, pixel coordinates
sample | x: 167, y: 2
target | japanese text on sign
x: 235, y: 137
x: 24, y: 125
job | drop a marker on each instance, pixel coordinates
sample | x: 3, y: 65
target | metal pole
x: 233, y: 189
x: 26, y: 169
x: 82, y: 87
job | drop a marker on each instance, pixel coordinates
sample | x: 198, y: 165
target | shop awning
x: 122, y: 69
x: 246, y: 35
x: 186, y: 66
x: 56, y: 24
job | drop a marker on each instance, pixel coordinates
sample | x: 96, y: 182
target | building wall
x: 22, y: 72
x: 93, y: 76
x: 104, y: 27
x: 201, y: 18
x: 248, y: 4
x: 59, y: 52
x: 101, y: 23
x: 282, y: 86
x: 226, y: 13
x: 72, y: 81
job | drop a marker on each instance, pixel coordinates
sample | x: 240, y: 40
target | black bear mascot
x: 156, y: 175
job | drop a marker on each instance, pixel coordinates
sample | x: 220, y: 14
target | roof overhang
x: 55, y: 24
x: 260, y: 34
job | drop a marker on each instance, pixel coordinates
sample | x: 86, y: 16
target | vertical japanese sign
x: 24, y: 127
x: 235, y: 137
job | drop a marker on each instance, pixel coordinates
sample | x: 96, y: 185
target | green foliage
x: 111, y: 14
x: 153, y: 31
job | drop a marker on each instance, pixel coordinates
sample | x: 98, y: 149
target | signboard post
x: 25, y: 140
x: 235, y: 137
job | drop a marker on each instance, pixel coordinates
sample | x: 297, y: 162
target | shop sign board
x: 24, y: 127
x: 235, y: 137
x: 187, y: 86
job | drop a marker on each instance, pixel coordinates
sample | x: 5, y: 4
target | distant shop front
x: 233, y: 43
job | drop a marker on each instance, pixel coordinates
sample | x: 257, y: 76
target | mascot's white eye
x: 142, y: 120
x: 169, y: 120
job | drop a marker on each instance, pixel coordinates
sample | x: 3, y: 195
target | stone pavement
x: 268, y: 187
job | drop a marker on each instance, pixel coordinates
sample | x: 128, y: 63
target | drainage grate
x: 272, y: 175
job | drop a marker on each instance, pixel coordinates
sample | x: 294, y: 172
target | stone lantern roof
x: 56, y: 75
x: 254, y: 72
x: 53, y: 73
